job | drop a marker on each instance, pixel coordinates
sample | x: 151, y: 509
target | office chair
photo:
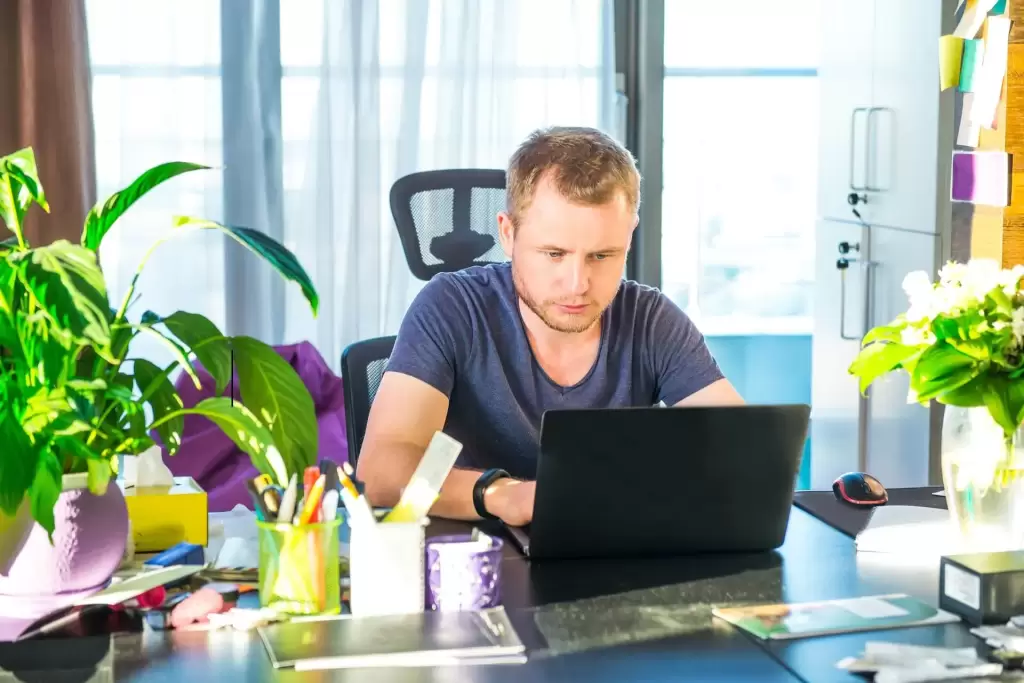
x: 446, y: 219
x: 362, y: 367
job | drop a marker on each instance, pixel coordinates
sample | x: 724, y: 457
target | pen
x: 287, y: 509
x: 262, y: 513
x: 309, y: 477
x: 330, y: 505
x: 272, y: 499
x: 312, y: 506
x: 347, y: 483
x: 262, y: 482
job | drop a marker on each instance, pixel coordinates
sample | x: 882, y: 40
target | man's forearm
x: 386, y: 471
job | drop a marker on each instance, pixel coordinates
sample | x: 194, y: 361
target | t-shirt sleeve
x: 428, y: 345
x: 683, y: 364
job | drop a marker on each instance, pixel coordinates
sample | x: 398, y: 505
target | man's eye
x: 556, y: 254
x: 600, y: 257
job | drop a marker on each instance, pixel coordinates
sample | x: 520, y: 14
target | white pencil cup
x: 387, y: 568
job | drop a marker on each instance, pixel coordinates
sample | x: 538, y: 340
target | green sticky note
x: 970, y: 65
x: 998, y: 8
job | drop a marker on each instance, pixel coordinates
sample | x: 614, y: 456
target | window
x: 740, y: 163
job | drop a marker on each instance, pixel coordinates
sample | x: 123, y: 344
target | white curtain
x: 314, y: 108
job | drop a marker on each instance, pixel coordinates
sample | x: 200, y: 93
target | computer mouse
x: 860, y: 489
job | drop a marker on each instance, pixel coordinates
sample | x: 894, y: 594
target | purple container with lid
x: 463, y: 574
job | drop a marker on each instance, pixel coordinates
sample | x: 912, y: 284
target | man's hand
x: 511, y: 501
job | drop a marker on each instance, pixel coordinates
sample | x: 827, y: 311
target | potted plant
x: 73, y: 397
x: 961, y: 341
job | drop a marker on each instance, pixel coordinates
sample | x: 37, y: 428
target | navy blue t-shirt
x: 464, y: 335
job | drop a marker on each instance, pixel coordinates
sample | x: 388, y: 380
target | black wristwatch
x: 480, y: 488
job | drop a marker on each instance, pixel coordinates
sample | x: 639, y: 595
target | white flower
x: 921, y: 294
x: 1018, y: 325
x: 981, y: 277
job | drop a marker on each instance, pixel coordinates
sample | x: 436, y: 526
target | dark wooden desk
x: 640, y: 620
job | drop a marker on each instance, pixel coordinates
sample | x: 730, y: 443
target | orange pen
x: 311, y: 508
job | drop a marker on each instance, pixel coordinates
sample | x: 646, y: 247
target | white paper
x: 973, y: 18
x: 989, y: 86
x: 147, y: 469
x: 969, y: 133
x: 910, y: 530
x: 873, y: 608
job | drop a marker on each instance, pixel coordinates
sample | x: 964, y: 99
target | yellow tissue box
x: 163, y: 516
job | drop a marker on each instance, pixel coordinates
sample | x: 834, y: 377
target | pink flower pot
x: 88, y: 544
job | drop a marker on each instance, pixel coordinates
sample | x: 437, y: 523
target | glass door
x: 740, y: 186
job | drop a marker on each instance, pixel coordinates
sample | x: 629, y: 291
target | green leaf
x: 157, y: 389
x: 939, y: 369
x: 66, y: 282
x: 274, y: 253
x: 878, y: 359
x: 44, y: 490
x: 245, y: 429
x: 102, y: 217
x: 1000, y: 301
x: 945, y: 328
x: 19, y: 186
x: 969, y: 395
x: 176, y: 350
x: 887, y: 333
x: 275, y: 393
x: 99, y: 475
x: 997, y: 400
x: 977, y: 350
x: 211, y: 347
x: 17, y: 472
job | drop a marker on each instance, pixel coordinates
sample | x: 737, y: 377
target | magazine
x: 799, y: 620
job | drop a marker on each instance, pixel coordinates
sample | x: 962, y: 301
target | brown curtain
x: 45, y: 104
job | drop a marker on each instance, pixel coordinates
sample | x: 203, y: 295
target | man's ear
x: 506, y: 232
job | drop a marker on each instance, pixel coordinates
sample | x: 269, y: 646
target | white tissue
x: 147, y: 469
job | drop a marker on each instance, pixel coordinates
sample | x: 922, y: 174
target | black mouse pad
x: 850, y: 520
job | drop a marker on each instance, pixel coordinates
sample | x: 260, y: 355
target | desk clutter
x: 282, y: 569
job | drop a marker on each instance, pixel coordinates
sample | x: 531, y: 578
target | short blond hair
x: 586, y: 166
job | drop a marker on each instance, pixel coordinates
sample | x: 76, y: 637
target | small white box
x: 387, y: 568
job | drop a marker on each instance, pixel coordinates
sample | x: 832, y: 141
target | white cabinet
x: 881, y: 107
x: 905, y: 142
x: 845, y: 82
x: 886, y: 137
x: 839, y: 307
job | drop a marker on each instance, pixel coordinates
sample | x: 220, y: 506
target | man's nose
x: 580, y: 278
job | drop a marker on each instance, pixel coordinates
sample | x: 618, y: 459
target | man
x: 482, y: 353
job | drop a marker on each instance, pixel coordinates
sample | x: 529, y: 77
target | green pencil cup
x: 299, y: 571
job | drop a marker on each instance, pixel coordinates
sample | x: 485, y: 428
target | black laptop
x: 664, y: 481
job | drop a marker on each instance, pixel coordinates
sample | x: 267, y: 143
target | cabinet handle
x: 872, y: 161
x: 843, y: 264
x: 853, y: 147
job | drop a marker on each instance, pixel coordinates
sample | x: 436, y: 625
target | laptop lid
x: 653, y: 481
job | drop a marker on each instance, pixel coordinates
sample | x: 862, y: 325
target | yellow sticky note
x: 951, y: 51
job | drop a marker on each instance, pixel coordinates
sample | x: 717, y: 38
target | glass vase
x: 983, y: 478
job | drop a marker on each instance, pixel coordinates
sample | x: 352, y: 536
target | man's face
x: 568, y: 259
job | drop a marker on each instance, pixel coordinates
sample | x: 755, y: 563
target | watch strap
x: 480, y: 488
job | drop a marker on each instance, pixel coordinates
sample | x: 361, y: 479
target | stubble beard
x: 572, y: 324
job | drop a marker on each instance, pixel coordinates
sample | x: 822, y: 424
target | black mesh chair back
x: 362, y: 367
x: 446, y: 219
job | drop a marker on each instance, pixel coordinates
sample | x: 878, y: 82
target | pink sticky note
x: 981, y: 178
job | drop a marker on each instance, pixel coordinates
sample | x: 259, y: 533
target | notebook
x: 422, y: 639
x: 782, y: 621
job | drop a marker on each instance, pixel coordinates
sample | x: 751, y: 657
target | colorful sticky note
x: 981, y: 178
x: 972, y: 18
x: 969, y: 133
x: 999, y: 7
x: 951, y: 50
x: 988, y: 85
x: 973, y: 55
